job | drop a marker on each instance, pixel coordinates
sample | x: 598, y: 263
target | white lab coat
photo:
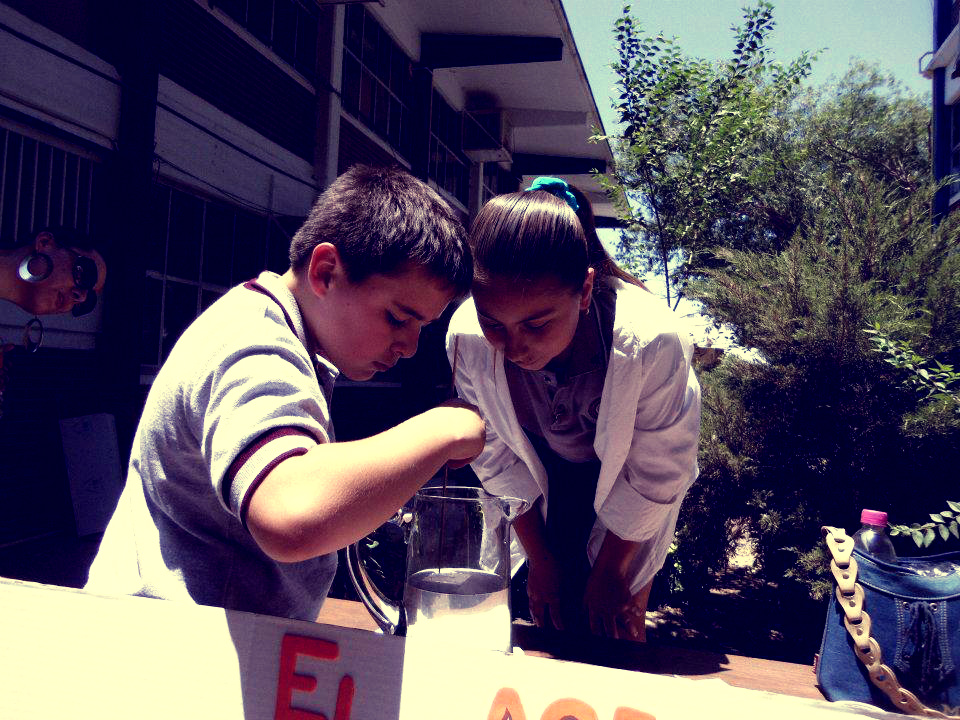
x: 647, y: 429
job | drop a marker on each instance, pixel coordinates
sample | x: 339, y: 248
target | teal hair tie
x: 557, y: 187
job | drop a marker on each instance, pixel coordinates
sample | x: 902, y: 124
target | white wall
x: 228, y: 159
x: 82, y: 99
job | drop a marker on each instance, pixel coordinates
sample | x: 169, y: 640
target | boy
x: 237, y: 495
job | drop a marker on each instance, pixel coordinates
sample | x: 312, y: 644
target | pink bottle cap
x: 873, y: 517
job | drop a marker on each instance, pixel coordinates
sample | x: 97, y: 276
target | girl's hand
x: 543, y: 591
x: 610, y: 607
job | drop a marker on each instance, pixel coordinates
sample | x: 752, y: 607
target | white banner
x: 68, y: 654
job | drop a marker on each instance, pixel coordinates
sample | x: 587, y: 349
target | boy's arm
x: 337, y: 493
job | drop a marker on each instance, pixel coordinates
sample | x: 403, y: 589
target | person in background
x: 238, y: 495
x: 584, y: 379
x: 55, y: 271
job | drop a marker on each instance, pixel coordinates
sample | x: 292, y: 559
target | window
x: 196, y: 250
x: 288, y: 27
x: 377, y: 79
x: 448, y: 168
x: 43, y: 185
x: 497, y: 181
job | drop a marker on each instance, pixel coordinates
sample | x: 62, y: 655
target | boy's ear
x: 587, y: 289
x: 324, y: 266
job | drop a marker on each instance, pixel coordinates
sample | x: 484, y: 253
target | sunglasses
x: 85, y: 277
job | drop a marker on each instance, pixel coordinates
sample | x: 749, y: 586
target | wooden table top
x: 743, y: 672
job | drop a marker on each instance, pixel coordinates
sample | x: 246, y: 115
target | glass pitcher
x: 457, y: 579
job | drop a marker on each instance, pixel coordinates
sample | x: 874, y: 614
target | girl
x: 593, y: 411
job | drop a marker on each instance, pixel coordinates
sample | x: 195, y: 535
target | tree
x: 827, y: 425
x: 869, y: 121
x: 801, y: 219
x: 936, y: 382
x: 688, y: 168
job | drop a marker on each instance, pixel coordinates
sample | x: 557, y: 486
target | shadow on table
x: 620, y: 654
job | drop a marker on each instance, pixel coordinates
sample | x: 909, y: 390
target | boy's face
x: 364, y: 328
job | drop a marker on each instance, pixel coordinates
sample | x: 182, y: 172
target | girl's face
x: 531, y: 322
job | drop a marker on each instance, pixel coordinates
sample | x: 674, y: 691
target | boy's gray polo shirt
x: 239, y: 393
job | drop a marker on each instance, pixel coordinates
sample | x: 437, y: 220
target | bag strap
x: 857, y: 621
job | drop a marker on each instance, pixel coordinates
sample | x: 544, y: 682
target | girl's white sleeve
x: 662, y: 462
x: 499, y: 469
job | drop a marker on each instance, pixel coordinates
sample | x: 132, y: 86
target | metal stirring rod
x: 446, y: 468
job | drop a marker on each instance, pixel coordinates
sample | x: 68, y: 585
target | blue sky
x: 893, y: 33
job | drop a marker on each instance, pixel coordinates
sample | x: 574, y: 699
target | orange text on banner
x: 507, y: 706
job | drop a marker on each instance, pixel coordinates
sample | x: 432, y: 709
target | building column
x: 136, y: 31
x: 476, y: 190
x: 940, y: 129
x: 940, y: 112
x: 422, y: 105
x: 328, y: 86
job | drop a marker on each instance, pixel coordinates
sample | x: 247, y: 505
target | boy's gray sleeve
x: 263, y: 406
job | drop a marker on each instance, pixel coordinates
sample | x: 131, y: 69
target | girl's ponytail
x: 600, y: 259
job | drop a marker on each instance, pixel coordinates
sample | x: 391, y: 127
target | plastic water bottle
x: 872, y: 536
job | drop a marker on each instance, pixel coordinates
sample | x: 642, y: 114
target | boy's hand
x: 463, y: 421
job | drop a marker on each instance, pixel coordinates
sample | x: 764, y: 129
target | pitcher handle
x: 391, y: 618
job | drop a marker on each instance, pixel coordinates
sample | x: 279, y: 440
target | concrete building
x: 190, y: 137
x: 943, y: 68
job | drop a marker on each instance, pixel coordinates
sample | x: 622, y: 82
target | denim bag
x: 892, y: 635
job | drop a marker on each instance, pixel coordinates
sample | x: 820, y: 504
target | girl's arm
x: 662, y: 460
x: 501, y: 471
x: 611, y: 607
x: 543, y: 578
x: 644, y: 499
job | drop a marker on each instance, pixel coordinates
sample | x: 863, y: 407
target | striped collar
x: 272, y: 286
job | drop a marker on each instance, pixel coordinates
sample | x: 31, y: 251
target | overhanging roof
x: 548, y: 104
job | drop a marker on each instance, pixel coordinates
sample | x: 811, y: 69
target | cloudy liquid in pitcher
x: 467, y: 607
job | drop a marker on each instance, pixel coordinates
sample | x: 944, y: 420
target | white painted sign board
x: 68, y: 654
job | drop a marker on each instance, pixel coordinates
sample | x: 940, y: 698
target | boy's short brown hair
x: 382, y: 220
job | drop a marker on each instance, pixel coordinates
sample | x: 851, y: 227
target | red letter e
x: 291, y: 647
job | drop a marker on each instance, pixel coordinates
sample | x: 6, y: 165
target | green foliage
x: 687, y: 162
x: 943, y: 524
x: 832, y: 426
x: 728, y: 471
x: 931, y: 382
x: 799, y: 218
